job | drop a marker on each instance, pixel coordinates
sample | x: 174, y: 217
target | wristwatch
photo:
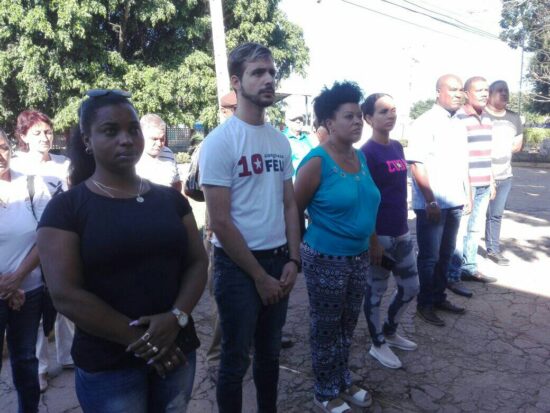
x: 182, y: 317
x: 298, y: 263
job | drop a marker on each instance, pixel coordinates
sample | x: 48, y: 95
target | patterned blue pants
x: 335, y: 288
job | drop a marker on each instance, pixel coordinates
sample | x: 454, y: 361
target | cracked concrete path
x: 493, y: 358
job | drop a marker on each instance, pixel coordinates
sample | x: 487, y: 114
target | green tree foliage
x: 527, y: 23
x: 160, y: 50
x: 419, y: 107
x: 526, y: 103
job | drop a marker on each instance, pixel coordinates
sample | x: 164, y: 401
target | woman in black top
x: 123, y: 259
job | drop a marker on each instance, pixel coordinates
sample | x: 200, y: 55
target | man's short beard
x: 256, y: 99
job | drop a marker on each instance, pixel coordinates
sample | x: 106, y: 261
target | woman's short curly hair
x: 329, y: 100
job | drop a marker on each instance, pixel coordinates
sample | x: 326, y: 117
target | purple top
x: 388, y: 169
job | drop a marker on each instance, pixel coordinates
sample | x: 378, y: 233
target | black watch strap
x: 297, y: 262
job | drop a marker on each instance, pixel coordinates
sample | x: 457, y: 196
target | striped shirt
x: 480, y: 137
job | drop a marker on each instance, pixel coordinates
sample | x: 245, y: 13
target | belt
x: 357, y: 257
x: 281, y: 251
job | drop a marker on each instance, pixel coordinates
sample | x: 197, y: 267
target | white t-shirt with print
x: 506, y: 128
x: 254, y: 162
x: 54, y: 172
x: 18, y: 225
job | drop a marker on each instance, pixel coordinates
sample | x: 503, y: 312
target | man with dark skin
x: 438, y: 154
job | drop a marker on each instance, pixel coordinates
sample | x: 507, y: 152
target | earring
x: 88, y: 150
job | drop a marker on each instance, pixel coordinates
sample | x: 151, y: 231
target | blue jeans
x: 436, y: 244
x: 22, y: 330
x: 464, y: 259
x: 494, y: 215
x: 136, y: 390
x: 243, y: 319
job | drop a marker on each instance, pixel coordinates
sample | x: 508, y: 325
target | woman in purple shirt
x: 392, y: 247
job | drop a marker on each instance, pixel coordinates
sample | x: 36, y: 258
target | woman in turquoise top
x: 335, y: 186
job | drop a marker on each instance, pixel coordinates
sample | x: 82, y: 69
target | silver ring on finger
x: 155, y: 349
x: 146, y: 337
x: 148, y: 344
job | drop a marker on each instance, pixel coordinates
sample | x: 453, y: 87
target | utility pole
x: 220, y: 51
x: 521, y: 74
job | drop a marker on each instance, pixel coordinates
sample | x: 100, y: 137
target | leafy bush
x: 534, y: 136
x: 534, y: 119
x: 182, y: 157
x: 419, y: 107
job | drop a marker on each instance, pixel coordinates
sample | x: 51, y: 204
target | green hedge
x: 534, y: 136
x: 182, y: 157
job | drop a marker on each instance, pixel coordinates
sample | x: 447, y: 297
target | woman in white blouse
x: 34, y: 130
x: 21, y: 287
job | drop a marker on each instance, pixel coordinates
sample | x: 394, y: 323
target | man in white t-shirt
x: 157, y: 164
x: 246, y: 175
x: 507, y: 139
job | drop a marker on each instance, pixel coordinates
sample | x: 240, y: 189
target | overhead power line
x: 446, y: 19
x: 398, y: 19
x: 462, y: 26
x: 436, y: 8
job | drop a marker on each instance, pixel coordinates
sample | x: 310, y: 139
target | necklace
x: 104, y: 188
x: 349, y: 156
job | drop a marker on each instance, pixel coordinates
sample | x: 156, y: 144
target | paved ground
x: 494, y: 358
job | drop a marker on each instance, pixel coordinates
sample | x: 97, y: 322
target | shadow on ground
x: 496, y: 357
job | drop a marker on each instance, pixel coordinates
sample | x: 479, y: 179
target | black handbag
x: 192, y: 188
x: 49, y: 313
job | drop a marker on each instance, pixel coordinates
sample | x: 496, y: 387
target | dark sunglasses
x: 96, y: 93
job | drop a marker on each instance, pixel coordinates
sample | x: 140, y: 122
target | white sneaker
x: 43, y: 382
x: 400, y: 342
x: 385, y: 356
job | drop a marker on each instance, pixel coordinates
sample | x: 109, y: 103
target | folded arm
x: 59, y: 252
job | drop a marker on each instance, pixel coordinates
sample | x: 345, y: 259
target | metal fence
x: 178, y: 138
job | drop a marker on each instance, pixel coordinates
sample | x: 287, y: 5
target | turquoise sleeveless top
x: 343, y: 209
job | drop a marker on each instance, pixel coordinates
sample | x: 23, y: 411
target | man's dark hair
x: 367, y: 107
x: 471, y: 80
x: 244, y: 53
x: 329, y: 100
x: 494, y: 85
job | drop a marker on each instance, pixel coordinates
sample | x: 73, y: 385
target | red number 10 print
x: 257, y: 165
